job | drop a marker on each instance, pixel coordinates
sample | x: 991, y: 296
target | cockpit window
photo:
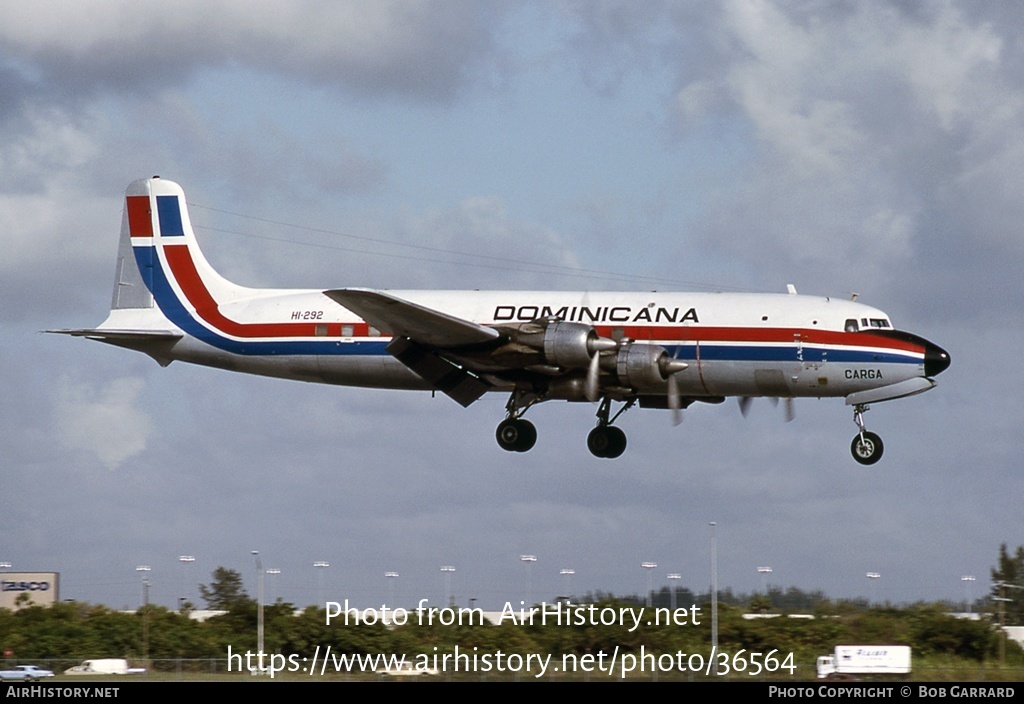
x: 865, y: 324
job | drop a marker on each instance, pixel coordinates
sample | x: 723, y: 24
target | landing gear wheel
x: 606, y: 441
x: 867, y: 450
x: 516, y: 435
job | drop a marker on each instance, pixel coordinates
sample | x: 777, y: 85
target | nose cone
x: 936, y: 360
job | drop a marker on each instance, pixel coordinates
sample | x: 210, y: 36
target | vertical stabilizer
x: 159, y: 255
x: 133, y: 275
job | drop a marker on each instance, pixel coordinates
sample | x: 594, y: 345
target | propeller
x: 669, y: 367
x: 596, y: 345
x: 789, y: 409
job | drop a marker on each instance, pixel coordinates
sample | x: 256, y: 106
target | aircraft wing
x: 402, y: 318
x: 421, y: 338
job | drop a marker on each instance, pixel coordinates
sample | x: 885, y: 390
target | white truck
x: 105, y: 666
x: 855, y: 660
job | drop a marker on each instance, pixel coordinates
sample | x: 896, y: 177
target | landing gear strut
x: 606, y: 440
x: 866, y: 446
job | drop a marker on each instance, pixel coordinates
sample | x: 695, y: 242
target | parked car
x: 25, y: 673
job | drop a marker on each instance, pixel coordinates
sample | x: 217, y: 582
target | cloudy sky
x: 875, y: 148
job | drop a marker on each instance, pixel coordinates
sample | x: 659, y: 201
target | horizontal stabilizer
x: 111, y: 335
x: 401, y: 318
x: 449, y: 378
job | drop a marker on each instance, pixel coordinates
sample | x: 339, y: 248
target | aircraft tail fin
x: 159, y: 259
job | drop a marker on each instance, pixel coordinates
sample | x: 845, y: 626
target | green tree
x: 1008, y: 583
x: 226, y: 592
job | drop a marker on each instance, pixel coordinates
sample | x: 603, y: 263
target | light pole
x: 529, y: 560
x: 448, y: 571
x: 390, y: 577
x: 145, y: 569
x: 714, y: 584
x: 567, y: 574
x: 259, y: 605
x: 320, y: 566
x: 967, y: 579
x: 764, y: 572
x: 648, y: 567
x: 673, y: 577
x: 873, y: 576
x: 274, y: 593
x: 185, y: 561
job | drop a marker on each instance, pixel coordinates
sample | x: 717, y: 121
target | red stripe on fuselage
x: 183, y: 270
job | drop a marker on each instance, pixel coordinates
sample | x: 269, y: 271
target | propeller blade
x: 593, y: 372
x: 744, y: 405
x: 789, y: 409
x: 674, y: 402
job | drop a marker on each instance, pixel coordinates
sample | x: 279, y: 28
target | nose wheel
x: 866, y: 447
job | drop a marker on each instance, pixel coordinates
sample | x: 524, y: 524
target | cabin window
x: 851, y: 325
x: 347, y: 330
x: 373, y: 332
x: 320, y: 330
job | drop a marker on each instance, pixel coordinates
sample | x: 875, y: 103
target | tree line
x: 70, y: 632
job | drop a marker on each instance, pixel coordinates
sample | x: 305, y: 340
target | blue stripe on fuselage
x: 167, y: 299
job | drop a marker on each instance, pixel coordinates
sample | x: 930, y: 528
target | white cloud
x: 103, y: 420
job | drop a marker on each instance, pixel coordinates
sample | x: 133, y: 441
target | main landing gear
x: 516, y: 434
x: 866, y: 446
x: 606, y: 440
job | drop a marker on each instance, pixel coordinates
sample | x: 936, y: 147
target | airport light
x: 320, y: 566
x: 872, y: 576
x: 259, y: 605
x: 273, y: 572
x: 648, y: 567
x: 144, y: 569
x: 529, y: 560
x: 567, y: 573
x: 185, y: 561
x: 390, y: 577
x: 967, y: 579
x: 673, y: 576
x: 448, y: 571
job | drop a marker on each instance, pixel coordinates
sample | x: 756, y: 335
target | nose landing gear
x: 866, y: 447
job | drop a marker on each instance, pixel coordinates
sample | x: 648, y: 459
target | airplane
x: 648, y: 349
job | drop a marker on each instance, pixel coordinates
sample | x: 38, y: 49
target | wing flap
x: 402, y: 318
x: 454, y: 381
